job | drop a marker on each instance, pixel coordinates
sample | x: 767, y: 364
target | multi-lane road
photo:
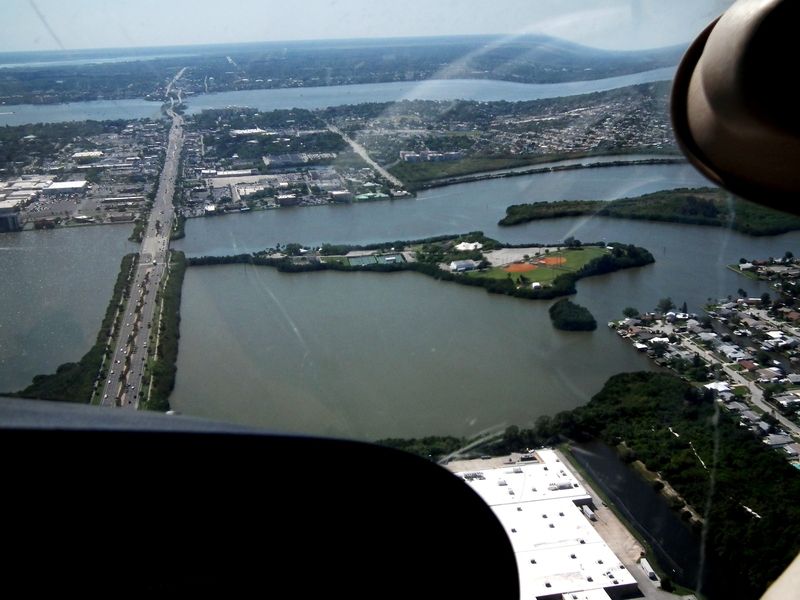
x: 123, y: 384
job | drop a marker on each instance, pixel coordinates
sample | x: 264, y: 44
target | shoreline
x: 538, y: 170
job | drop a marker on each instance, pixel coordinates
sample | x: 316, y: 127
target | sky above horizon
x: 80, y: 24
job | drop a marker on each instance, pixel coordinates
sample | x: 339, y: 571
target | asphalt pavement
x: 123, y: 383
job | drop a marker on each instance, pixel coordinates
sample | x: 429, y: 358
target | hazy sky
x: 73, y: 24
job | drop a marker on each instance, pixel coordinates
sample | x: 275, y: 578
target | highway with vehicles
x: 122, y: 386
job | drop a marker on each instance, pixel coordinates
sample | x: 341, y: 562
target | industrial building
x: 66, y: 187
x: 15, y: 195
x: 559, y: 553
x: 9, y: 214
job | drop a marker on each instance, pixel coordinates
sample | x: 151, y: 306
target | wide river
x: 321, y: 97
x: 363, y: 355
x: 370, y: 355
x: 367, y: 355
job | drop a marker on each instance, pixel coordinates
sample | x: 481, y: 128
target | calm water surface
x: 56, y: 287
x: 321, y: 97
x: 367, y: 356
x: 371, y: 355
x: 484, y: 90
x: 453, y: 209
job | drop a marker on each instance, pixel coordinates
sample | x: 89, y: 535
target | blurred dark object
x: 103, y: 501
x: 734, y: 108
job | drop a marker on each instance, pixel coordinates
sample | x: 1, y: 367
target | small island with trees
x: 568, y: 316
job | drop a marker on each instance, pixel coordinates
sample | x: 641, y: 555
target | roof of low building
x: 67, y: 185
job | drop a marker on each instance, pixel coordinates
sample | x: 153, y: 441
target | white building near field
x: 87, y: 155
x: 558, y: 551
x: 467, y: 246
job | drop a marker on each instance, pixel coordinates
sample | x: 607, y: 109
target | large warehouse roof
x: 67, y: 185
x: 558, y: 549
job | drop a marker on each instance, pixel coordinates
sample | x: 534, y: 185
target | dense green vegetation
x: 75, y: 83
x: 248, y: 118
x: 568, y: 316
x: 701, y: 206
x: 746, y: 552
x: 639, y: 408
x: 139, y: 225
x: 178, y: 228
x: 74, y: 382
x: 163, y: 369
x: 224, y: 145
x: 621, y: 257
x: 430, y: 447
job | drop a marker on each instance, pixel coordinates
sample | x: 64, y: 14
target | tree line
x: 700, y: 206
x: 622, y: 256
x: 164, y: 369
x: 639, y: 412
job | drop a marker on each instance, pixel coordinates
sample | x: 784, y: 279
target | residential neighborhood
x: 745, y: 351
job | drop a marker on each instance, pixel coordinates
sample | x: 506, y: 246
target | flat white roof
x: 10, y: 204
x: 67, y: 185
x: 558, y: 550
x: 587, y: 595
x: 29, y: 185
x: 547, y: 479
x: 21, y: 194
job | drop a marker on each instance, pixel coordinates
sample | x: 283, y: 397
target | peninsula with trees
x: 529, y: 271
x: 694, y: 206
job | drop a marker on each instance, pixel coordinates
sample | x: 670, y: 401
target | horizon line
x: 340, y: 40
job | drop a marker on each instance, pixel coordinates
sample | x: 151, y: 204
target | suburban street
x: 123, y: 383
x: 756, y: 393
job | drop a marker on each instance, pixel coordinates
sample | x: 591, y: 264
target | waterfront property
x: 539, y: 502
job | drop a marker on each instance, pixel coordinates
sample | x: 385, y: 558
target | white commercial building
x: 466, y: 246
x: 9, y: 213
x: 88, y: 154
x: 559, y: 553
x: 66, y: 187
